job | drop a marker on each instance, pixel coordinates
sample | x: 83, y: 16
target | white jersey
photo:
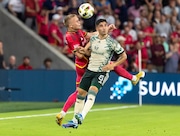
x: 102, y: 52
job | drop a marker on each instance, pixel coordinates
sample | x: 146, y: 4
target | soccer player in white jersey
x: 102, y: 47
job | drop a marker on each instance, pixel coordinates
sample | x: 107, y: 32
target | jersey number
x: 101, y: 79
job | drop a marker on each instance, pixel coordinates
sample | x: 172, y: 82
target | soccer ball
x: 85, y: 10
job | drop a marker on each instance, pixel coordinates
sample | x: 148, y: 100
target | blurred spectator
x: 121, y: 41
x: 26, y: 64
x: 128, y: 37
x: 132, y: 32
x: 150, y: 67
x: 31, y: 10
x: 12, y: 63
x: 175, y: 35
x: 133, y: 67
x: 55, y: 36
x: 178, y: 5
x: 59, y: 11
x: 40, y: 3
x: 158, y: 54
x: 51, y: 6
x: 173, y: 22
x: 42, y: 23
x: 143, y: 16
x: 2, y: 62
x: 171, y: 9
x: 47, y: 64
x: 134, y: 10
x: 106, y: 14
x: 121, y: 11
x: 150, y: 5
x: 172, y: 58
x: 164, y: 42
x: 100, y: 5
x: 16, y: 7
x: 116, y: 32
x: 148, y: 32
x: 144, y: 53
x: 73, y: 7
x: 63, y: 4
x: 156, y: 18
x: 113, y: 4
x: 158, y: 5
x: 129, y: 3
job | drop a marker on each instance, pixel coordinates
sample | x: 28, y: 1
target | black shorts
x: 91, y: 78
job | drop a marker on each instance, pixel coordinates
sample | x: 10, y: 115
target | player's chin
x: 79, y: 27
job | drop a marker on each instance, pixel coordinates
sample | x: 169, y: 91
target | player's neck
x: 101, y: 37
x: 71, y: 30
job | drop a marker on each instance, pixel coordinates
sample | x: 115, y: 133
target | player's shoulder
x: 94, y: 37
x: 111, y: 40
x: 70, y: 35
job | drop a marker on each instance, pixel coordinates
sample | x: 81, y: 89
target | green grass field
x: 104, y: 120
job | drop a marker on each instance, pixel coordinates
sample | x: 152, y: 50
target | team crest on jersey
x: 96, y: 47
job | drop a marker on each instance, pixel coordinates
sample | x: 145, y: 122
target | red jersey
x: 42, y: 27
x: 115, y: 33
x: 23, y: 67
x: 75, y: 39
x: 175, y: 35
x: 128, y: 42
x: 31, y: 5
x: 149, y: 30
x: 40, y: 2
x: 53, y: 28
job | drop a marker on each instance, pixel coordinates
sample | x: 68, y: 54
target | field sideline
x: 104, y: 120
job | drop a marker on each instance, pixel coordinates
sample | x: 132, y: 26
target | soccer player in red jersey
x: 76, y: 38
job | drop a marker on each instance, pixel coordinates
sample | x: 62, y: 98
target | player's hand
x: 80, y: 50
x: 111, y: 27
x: 108, y: 67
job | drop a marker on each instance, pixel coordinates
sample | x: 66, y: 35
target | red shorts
x: 79, y: 73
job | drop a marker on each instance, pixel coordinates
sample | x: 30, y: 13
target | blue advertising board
x: 55, y: 85
x: 155, y: 88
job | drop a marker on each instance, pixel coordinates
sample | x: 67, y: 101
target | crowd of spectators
x: 152, y: 26
x: 25, y: 65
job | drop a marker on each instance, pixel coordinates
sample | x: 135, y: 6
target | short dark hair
x: 100, y: 21
x: 47, y: 60
x: 26, y: 57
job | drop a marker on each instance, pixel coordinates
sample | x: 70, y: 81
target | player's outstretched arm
x: 119, y: 61
x: 78, y: 54
x: 84, y: 50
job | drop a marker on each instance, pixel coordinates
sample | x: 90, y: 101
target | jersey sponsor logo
x: 120, y: 88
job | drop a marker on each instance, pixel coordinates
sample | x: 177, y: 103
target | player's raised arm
x: 84, y: 50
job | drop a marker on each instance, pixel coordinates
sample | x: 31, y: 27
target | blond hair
x: 67, y: 18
